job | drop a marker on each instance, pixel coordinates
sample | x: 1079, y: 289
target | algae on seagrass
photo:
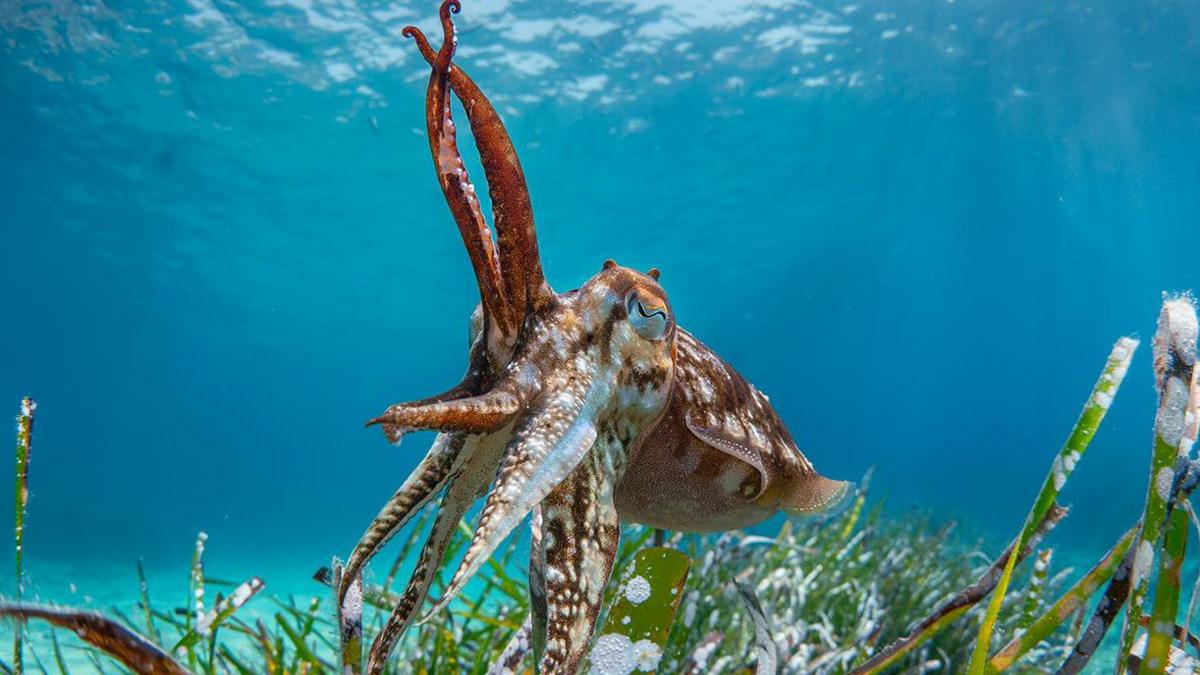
x: 1174, y: 361
x: 868, y: 570
x: 1064, y: 464
x: 24, y: 444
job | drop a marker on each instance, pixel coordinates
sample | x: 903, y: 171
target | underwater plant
x: 827, y: 591
x: 24, y: 436
x: 852, y: 592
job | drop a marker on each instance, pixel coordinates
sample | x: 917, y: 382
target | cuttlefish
x: 582, y: 409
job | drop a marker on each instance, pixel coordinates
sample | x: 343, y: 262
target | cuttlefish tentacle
x: 471, y: 474
x: 520, y: 263
x: 424, y: 482
x: 456, y: 186
x: 581, y: 534
x: 546, y: 446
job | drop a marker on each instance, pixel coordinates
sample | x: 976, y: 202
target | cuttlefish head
x: 606, y: 348
x: 626, y: 329
x: 619, y: 321
x: 591, y: 372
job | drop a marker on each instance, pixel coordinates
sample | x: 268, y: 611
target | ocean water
x: 918, y: 226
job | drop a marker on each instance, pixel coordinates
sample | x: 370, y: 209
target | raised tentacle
x: 471, y: 475
x: 546, y: 447
x: 429, y: 477
x: 452, y: 177
x: 582, y: 533
x: 520, y: 262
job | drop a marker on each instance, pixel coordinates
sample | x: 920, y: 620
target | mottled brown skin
x: 720, y: 458
x: 586, y: 409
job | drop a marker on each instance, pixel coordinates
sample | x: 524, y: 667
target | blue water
x: 919, y: 226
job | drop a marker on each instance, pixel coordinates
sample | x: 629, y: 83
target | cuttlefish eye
x: 647, y: 316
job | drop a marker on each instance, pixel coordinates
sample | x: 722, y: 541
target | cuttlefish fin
x: 724, y: 412
x: 806, y: 494
x: 815, y: 494
x: 722, y: 439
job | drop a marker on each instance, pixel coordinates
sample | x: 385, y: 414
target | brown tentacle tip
x: 427, y: 51
x: 654, y: 273
x: 392, y: 431
x: 449, y: 39
x: 448, y: 8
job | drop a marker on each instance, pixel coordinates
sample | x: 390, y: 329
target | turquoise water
x: 918, y: 226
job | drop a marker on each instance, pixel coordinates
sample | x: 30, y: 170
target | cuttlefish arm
x: 580, y: 538
x: 430, y: 475
x: 459, y: 496
x: 472, y: 415
x: 420, y: 486
x: 546, y: 446
x: 514, y: 652
x: 472, y: 473
x: 457, y: 418
x: 537, y: 584
x: 531, y: 636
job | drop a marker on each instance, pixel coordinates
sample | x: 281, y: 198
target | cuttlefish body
x: 584, y: 409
